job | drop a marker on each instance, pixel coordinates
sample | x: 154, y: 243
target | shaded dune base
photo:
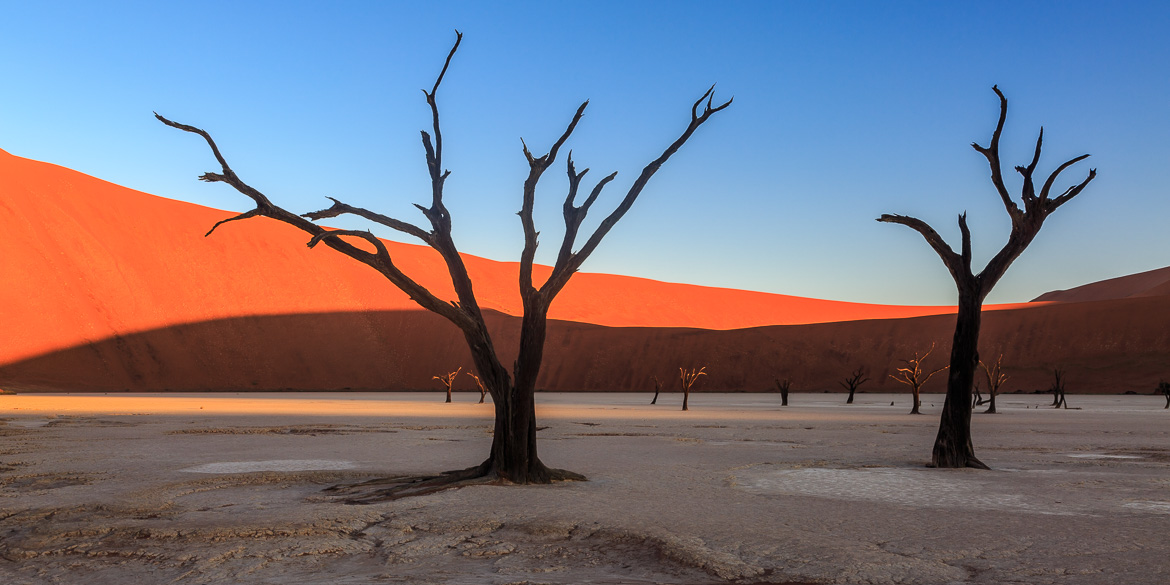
x: 1105, y: 347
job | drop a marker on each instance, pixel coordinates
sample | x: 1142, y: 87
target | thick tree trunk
x: 850, y: 400
x: 686, y: 395
x: 952, y: 446
x: 991, y: 401
x: 917, y: 401
x: 448, y: 393
x: 784, y: 397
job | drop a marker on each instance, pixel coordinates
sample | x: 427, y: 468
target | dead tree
x: 447, y: 379
x: 914, y: 376
x: 1164, y: 390
x: 952, y: 446
x: 995, y: 379
x: 853, y: 382
x: 1057, y: 389
x: 657, y: 389
x: 513, y: 457
x: 689, y: 377
x: 783, y: 386
x: 977, y: 398
x: 479, y: 384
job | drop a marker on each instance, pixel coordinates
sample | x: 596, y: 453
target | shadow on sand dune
x: 1106, y: 347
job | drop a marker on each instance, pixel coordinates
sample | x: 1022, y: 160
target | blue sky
x: 843, y: 111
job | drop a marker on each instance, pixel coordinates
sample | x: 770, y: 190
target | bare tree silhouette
x: 853, y: 382
x: 1057, y: 389
x: 995, y: 379
x: 783, y: 386
x: 914, y: 376
x: 952, y: 445
x: 688, y: 378
x: 513, y: 456
x: 447, y: 379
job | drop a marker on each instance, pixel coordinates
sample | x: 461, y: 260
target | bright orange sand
x: 88, y: 260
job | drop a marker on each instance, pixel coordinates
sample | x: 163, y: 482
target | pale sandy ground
x: 225, y: 488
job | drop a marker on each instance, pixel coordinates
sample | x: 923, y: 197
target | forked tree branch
x: 338, y: 208
x: 380, y: 261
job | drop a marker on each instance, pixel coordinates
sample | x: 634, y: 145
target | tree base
x: 388, y: 489
x: 957, y: 462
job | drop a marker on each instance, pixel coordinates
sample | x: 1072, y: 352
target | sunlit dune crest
x: 89, y: 260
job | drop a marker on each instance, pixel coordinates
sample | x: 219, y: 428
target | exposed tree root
x: 388, y: 489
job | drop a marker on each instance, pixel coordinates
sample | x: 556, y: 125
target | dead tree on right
x: 483, y: 391
x: 952, y: 445
x: 689, y: 377
x: 783, y: 386
x: 447, y: 379
x: 853, y: 382
x: 914, y: 376
x: 995, y: 379
x: 1164, y: 390
x: 1057, y: 389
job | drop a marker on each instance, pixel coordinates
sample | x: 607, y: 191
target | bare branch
x: 245, y: 215
x: 966, y: 237
x: 1072, y: 192
x: 1029, y: 191
x: 953, y: 261
x: 365, y: 235
x: 338, y: 208
x: 992, y: 155
x: 639, y: 184
x: 1052, y: 178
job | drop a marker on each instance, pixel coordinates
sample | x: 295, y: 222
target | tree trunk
x: 657, y: 389
x: 784, y: 397
x: 686, y: 395
x: 917, y: 400
x: 448, y: 393
x: 952, y: 446
x: 991, y: 401
x: 1167, y: 402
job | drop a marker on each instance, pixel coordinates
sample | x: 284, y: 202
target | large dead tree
x: 952, y: 446
x: 513, y: 457
x: 914, y: 376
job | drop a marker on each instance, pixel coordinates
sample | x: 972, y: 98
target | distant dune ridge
x: 107, y: 288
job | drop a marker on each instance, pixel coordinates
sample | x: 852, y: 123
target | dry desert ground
x: 227, y: 488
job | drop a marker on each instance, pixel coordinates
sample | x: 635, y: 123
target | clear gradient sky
x: 843, y: 111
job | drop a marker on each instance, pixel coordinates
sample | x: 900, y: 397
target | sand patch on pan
x: 917, y: 488
x: 271, y: 465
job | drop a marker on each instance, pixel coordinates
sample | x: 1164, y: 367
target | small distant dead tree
x: 783, y: 386
x: 1164, y: 390
x: 689, y: 377
x: 483, y: 391
x: 447, y: 379
x: 995, y: 379
x: 1058, y: 389
x: 977, y: 399
x: 513, y: 456
x: 952, y: 445
x: 657, y: 389
x: 853, y: 382
x: 914, y: 376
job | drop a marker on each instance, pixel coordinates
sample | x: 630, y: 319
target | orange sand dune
x: 87, y: 260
